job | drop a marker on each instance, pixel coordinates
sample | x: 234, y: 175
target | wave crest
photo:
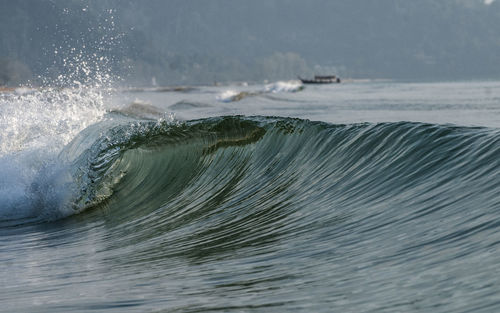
x: 155, y: 165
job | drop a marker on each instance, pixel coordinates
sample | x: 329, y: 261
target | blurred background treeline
x: 201, y: 42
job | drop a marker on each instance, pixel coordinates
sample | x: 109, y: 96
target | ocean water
x: 366, y: 196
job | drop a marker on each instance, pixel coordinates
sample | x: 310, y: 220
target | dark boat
x: 321, y: 80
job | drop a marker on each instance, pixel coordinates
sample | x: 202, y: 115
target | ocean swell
x: 306, y: 209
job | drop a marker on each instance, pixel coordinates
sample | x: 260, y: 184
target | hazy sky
x: 201, y: 41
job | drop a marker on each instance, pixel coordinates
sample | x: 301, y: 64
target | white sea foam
x: 36, y: 123
x: 47, y: 118
x: 34, y: 127
x: 34, y: 185
x: 277, y: 87
x: 227, y: 96
x: 284, y: 86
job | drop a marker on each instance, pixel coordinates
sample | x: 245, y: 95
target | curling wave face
x: 354, y: 162
x: 109, y: 154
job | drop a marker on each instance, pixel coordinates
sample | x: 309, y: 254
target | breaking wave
x: 360, y: 168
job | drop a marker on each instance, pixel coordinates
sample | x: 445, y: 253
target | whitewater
x: 365, y: 196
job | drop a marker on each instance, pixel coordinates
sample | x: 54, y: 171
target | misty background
x: 200, y: 42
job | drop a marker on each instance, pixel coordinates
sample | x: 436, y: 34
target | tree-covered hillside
x: 196, y: 41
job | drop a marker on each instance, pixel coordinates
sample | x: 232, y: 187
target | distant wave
x: 183, y: 105
x: 277, y: 87
x: 161, y: 89
x: 232, y: 95
x: 285, y: 86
